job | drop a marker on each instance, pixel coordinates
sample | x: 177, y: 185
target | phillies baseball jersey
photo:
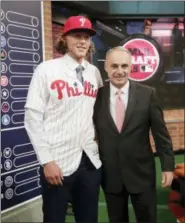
x: 59, y: 110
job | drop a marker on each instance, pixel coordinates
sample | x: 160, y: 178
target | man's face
x: 78, y: 44
x: 118, y: 67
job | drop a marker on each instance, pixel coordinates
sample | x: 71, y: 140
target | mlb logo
x: 146, y: 68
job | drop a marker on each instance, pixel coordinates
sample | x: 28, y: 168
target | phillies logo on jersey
x: 60, y: 86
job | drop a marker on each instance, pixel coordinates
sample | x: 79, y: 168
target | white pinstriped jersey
x: 66, y: 108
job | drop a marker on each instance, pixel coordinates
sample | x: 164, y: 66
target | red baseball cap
x: 78, y: 23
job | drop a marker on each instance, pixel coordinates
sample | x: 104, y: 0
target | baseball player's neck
x: 78, y: 59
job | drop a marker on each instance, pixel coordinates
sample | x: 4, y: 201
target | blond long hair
x: 61, y: 46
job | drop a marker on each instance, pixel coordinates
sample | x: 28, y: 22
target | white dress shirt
x: 113, y: 97
x: 59, y: 110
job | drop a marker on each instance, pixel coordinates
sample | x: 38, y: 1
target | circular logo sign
x: 3, y: 41
x: 4, y: 81
x: 8, y: 164
x: 9, y: 193
x: 5, y: 119
x: 4, y: 93
x: 2, y: 28
x: 8, y: 181
x: 145, y: 58
x: 3, y: 54
x: 5, y: 107
x: 7, y: 152
x: 2, y: 14
x: 3, y: 68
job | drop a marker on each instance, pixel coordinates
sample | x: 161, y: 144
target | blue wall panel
x: 21, y: 52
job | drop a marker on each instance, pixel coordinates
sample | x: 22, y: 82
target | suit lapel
x: 107, y: 107
x: 131, y: 104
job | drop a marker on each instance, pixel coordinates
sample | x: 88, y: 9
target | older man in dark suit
x: 124, y: 114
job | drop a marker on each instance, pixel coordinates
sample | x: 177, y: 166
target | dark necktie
x: 79, y: 71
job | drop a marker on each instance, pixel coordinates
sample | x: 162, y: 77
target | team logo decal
x: 60, y: 86
x: 4, y: 81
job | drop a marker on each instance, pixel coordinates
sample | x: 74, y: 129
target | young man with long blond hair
x: 58, y: 119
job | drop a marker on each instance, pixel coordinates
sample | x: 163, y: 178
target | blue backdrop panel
x: 21, y: 49
x: 19, y: 186
x: 17, y: 151
x: 21, y: 52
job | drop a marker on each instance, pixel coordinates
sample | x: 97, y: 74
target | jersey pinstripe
x: 67, y: 109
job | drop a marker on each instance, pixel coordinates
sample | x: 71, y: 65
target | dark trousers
x: 144, y: 205
x: 82, y: 187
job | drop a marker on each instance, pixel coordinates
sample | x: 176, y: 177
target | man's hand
x: 53, y: 173
x: 167, y: 178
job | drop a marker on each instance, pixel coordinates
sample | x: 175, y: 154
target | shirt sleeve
x: 34, y: 126
x: 36, y: 103
x: 38, y: 93
x: 99, y: 78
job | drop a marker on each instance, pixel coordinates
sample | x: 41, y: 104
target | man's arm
x: 33, y: 123
x: 36, y: 103
x: 34, y: 118
x: 161, y: 135
x: 162, y: 139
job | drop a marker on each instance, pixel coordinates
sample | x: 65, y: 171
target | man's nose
x: 120, y: 70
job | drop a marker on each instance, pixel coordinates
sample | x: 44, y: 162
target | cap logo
x: 82, y: 21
